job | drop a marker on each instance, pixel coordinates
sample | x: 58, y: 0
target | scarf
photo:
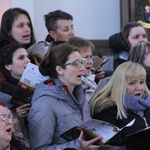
x: 136, y: 104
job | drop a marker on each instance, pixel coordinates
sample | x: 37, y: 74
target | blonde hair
x: 114, y: 91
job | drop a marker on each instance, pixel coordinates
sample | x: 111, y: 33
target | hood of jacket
x: 116, y: 42
x: 59, y: 91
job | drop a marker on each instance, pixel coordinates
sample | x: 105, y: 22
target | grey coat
x: 54, y: 111
x: 6, y: 99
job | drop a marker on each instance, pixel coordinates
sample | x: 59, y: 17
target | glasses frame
x: 4, y: 118
x: 77, y: 64
x: 89, y: 58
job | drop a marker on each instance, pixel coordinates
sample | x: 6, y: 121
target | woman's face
x: 5, y: 126
x: 136, y: 36
x: 86, y: 52
x: 64, y: 31
x: 136, y: 86
x: 71, y: 75
x: 19, y: 62
x: 21, y: 30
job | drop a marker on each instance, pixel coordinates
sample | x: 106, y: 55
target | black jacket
x: 4, y: 43
x: 49, y: 39
x: 117, y: 54
x: 117, y: 43
x: 137, y: 143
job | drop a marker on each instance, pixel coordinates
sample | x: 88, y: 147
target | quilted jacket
x: 54, y: 111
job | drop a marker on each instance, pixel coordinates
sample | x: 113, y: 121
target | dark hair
x: 56, y: 56
x: 126, y: 31
x: 137, y: 53
x: 6, y: 54
x: 2, y: 103
x: 7, y: 21
x: 80, y: 42
x: 52, y: 17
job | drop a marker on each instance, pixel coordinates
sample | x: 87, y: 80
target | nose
x: 139, y: 86
x: 82, y: 68
x: 142, y: 39
x: 27, y: 28
x: 90, y: 60
x: 9, y: 120
x: 72, y: 32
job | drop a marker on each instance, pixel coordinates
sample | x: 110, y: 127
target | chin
x: 78, y: 82
x: 88, y: 72
x: 7, y: 140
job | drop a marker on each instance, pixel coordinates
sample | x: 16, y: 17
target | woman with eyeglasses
x: 59, y: 103
x: 13, y: 61
x: 5, y: 127
x: 86, y: 49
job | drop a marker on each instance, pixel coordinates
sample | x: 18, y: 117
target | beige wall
x: 93, y: 19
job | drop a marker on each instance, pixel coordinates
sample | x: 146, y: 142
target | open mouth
x: 9, y: 130
x: 27, y: 37
x: 138, y: 94
x: 79, y: 76
x: 88, y: 68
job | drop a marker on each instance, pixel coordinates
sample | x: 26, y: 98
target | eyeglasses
x: 5, y: 118
x: 77, y: 64
x: 88, y: 58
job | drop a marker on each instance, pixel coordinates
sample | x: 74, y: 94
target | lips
x: 88, y: 68
x: 138, y: 95
x: 26, y: 37
x: 9, y: 130
x: 79, y: 76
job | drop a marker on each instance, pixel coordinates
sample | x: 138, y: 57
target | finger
x: 26, y: 109
x: 36, y: 61
x: 25, y: 105
x: 22, y: 114
x: 81, y: 136
x: 95, y: 140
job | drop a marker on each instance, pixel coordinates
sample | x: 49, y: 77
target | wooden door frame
x: 133, y: 10
x: 127, y: 11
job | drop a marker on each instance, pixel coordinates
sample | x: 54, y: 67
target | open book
x: 31, y: 77
x: 93, y: 128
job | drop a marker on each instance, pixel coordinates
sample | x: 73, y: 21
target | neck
x: 70, y: 87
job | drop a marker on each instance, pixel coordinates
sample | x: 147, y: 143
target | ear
x: 8, y: 67
x: 59, y: 70
x: 53, y: 35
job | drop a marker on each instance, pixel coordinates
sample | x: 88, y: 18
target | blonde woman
x: 124, y: 98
